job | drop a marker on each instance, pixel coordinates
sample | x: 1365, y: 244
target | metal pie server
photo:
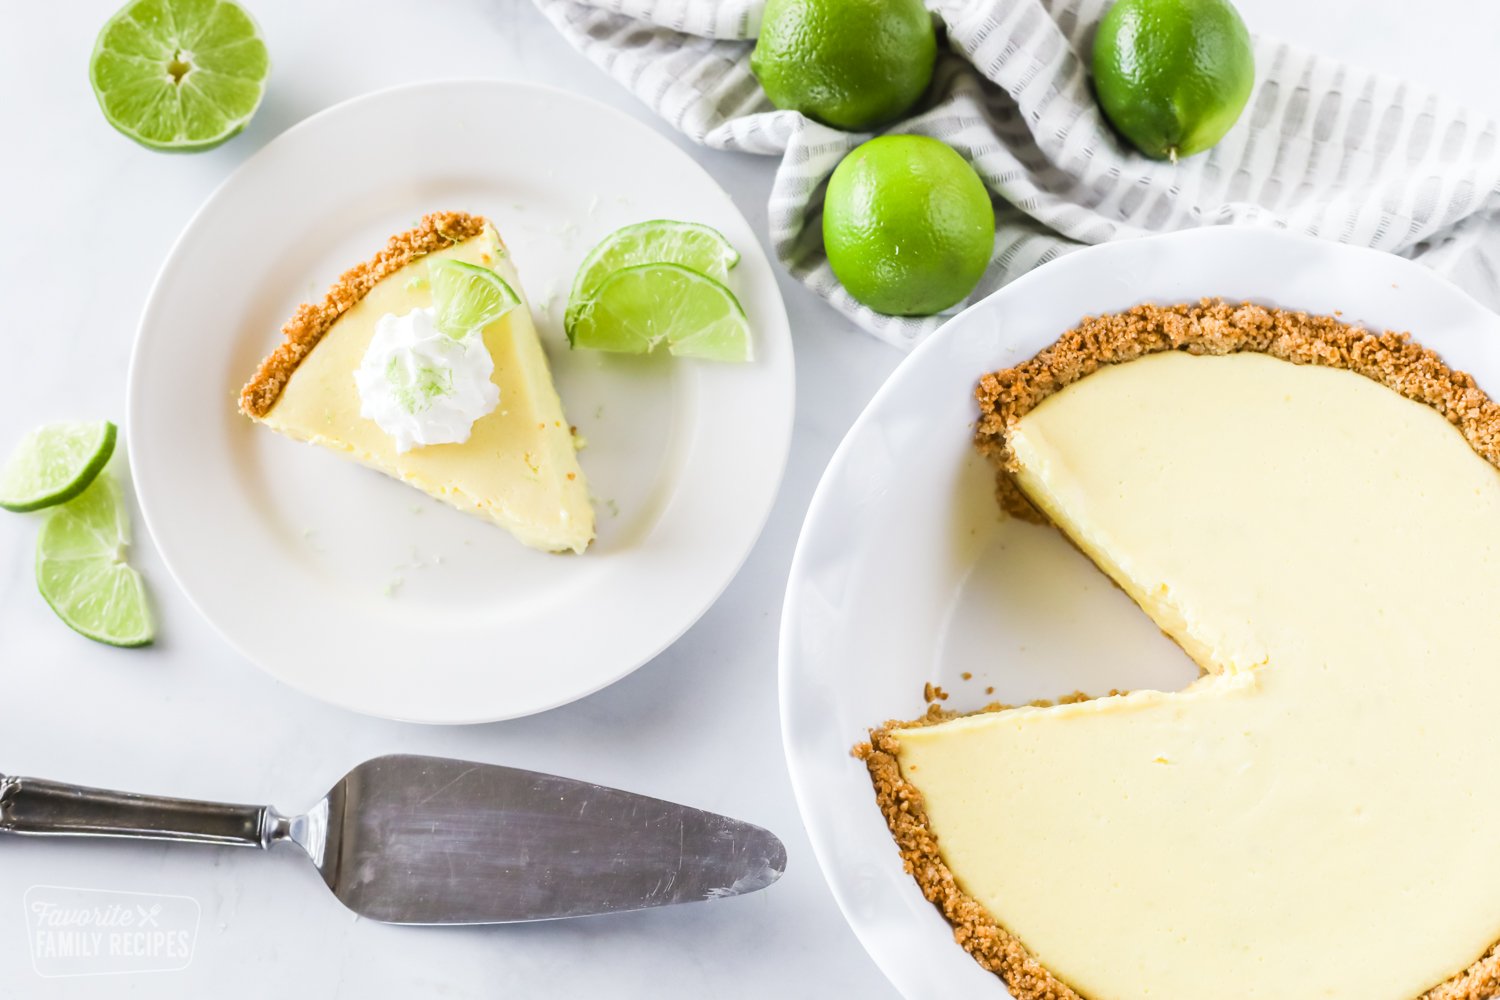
x: 427, y: 840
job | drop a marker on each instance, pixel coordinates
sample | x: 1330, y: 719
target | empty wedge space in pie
x: 1310, y: 511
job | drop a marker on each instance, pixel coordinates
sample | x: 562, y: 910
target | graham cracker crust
x: 1211, y: 326
x: 992, y: 946
x: 996, y: 949
x: 311, y: 321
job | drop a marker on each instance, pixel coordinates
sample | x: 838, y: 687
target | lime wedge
x: 81, y: 570
x: 638, y: 307
x: 661, y: 241
x: 54, y: 463
x: 468, y: 297
x: 180, y: 75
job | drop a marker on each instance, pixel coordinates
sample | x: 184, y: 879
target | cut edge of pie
x: 1211, y: 326
x: 436, y: 231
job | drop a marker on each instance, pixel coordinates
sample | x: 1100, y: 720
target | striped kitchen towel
x: 1322, y: 148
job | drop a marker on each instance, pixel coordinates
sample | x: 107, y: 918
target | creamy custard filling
x: 1314, y: 819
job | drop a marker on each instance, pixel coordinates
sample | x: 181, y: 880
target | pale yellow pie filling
x: 519, y: 467
x: 1319, y: 815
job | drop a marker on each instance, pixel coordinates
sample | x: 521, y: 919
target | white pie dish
x: 905, y: 574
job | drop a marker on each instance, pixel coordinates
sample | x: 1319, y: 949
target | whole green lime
x: 907, y: 225
x: 852, y: 64
x: 1173, y: 75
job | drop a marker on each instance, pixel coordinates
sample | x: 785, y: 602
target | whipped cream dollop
x: 422, y: 386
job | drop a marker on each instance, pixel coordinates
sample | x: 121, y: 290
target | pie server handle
x: 36, y: 807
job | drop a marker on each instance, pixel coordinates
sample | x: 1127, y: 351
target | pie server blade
x: 427, y: 840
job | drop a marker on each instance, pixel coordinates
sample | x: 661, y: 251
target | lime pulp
x: 468, y: 297
x: 660, y: 241
x: 179, y: 75
x: 55, y: 463
x: 637, y: 308
x: 81, y: 569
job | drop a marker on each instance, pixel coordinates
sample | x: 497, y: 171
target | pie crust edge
x: 312, y: 320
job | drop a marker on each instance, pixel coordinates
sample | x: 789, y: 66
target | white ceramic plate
x: 359, y: 590
x: 905, y: 573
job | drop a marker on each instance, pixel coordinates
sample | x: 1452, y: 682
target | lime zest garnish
x: 55, y: 463
x: 415, y: 390
x: 81, y: 569
x: 467, y: 297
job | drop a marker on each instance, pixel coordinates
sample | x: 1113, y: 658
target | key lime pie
x: 423, y: 362
x: 1312, y: 512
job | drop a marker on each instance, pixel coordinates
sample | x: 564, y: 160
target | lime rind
x: 179, y: 75
x: 658, y: 241
x: 639, y: 308
x: 1173, y: 78
x: 81, y: 570
x: 55, y: 463
x: 467, y: 297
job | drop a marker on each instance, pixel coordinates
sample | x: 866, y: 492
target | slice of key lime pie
x: 423, y: 362
x: 1312, y: 512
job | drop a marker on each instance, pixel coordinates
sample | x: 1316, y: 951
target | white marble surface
x: 87, y: 218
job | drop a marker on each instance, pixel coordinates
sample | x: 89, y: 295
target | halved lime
x: 54, y: 463
x: 661, y: 241
x: 81, y: 569
x: 638, y: 307
x: 180, y: 75
x: 468, y: 297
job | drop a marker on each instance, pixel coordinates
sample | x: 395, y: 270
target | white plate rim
x: 780, y: 423
x: 911, y: 970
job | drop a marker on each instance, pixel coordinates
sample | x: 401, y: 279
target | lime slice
x: 81, y: 570
x: 181, y: 75
x: 54, y: 463
x: 660, y: 241
x: 468, y: 297
x: 638, y: 307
